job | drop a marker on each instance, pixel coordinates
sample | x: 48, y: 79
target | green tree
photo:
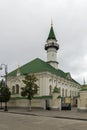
x: 30, y: 88
x: 1, y: 93
x: 56, y: 90
x: 5, y: 94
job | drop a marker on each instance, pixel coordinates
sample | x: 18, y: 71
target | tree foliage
x: 56, y: 90
x: 30, y: 88
x: 5, y: 94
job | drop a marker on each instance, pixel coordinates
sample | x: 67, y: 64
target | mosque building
x: 49, y: 76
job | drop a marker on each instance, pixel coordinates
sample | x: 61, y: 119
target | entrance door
x: 47, y: 104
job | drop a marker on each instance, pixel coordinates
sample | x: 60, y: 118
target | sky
x: 24, y: 28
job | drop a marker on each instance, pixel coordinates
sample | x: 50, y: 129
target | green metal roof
x: 51, y: 34
x: 37, y: 65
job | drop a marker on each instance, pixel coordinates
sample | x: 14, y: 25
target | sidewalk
x: 66, y: 114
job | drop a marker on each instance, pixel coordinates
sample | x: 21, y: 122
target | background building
x: 82, y: 99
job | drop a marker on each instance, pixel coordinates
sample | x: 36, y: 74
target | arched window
x: 50, y: 90
x: 66, y: 93
x: 63, y: 92
x: 17, y: 89
x: 50, y: 81
x: 13, y: 89
x: 70, y: 93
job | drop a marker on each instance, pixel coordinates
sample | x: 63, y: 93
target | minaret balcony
x: 53, y: 45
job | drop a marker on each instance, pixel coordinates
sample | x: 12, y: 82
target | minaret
x: 51, y: 47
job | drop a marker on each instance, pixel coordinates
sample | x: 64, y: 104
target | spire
x: 51, y: 22
x: 18, y: 71
x: 51, y: 33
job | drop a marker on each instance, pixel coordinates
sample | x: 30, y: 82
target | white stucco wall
x: 45, y: 80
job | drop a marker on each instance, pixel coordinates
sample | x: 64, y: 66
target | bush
x: 56, y: 90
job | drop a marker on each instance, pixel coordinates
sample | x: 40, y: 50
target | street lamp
x: 1, y: 67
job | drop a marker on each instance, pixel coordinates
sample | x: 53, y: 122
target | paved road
x: 73, y: 114
x: 10, y: 121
